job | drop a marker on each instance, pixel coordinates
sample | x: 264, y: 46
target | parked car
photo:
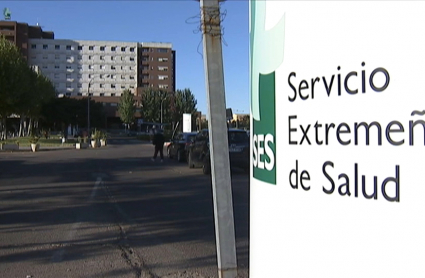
x: 199, y: 152
x: 179, y: 144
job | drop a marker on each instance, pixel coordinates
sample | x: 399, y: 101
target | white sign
x: 187, y: 122
x: 338, y: 139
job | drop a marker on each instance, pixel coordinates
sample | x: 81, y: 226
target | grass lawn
x: 51, y: 142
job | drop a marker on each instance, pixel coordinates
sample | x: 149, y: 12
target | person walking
x: 158, y: 141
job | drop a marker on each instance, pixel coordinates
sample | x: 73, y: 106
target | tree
x: 151, y: 102
x: 22, y: 90
x: 127, y: 107
x: 61, y: 112
x: 31, y: 105
x: 15, y: 80
x: 184, y: 102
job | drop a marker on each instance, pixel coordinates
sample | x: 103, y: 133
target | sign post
x: 219, y: 148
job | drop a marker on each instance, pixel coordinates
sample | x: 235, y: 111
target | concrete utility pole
x: 219, y: 148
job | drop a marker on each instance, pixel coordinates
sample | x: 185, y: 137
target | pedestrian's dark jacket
x: 158, y: 139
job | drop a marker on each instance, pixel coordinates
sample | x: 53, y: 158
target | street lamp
x: 88, y: 105
x: 161, y: 108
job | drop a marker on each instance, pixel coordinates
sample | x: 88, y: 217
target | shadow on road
x: 153, y: 204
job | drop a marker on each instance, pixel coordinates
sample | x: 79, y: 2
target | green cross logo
x: 266, y: 55
x: 6, y: 13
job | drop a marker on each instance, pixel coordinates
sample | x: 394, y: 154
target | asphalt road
x: 111, y: 212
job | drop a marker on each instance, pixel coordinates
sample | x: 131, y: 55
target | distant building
x: 102, y: 69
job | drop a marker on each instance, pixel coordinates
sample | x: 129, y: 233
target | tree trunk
x: 21, y: 126
x: 29, y: 127
x: 4, y: 128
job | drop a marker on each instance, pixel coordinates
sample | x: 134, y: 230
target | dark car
x: 199, y: 152
x: 179, y: 144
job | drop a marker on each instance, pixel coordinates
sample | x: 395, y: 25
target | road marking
x: 59, y: 254
x: 96, y: 185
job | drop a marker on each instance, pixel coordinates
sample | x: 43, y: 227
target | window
x: 162, y: 59
x: 162, y: 77
x: 122, y: 86
x: 45, y: 57
x: 57, y: 66
x: 68, y: 76
x: 90, y: 76
x: 91, y: 47
x: 131, y: 86
x: 102, y: 58
x: 33, y: 46
x: 80, y: 58
x: 68, y: 85
x: 113, y: 48
x: 79, y: 76
x: 68, y: 57
x: 45, y: 66
x: 123, y: 49
x: 112, y: 104
x: 80, y: 67
x: 131, y: 77
x: 56, y: 75
x: 90, y: 57
x: 112, y: 58
x: 68, y: 94
x: 145, y: 49
x: 131, y: 58
x: 163, y: 86
x: 162, y: 50
x: 80, y: 47
x: 57, y: 47
x: 102, y: 48
x: 91, y: 67
x: 145, y: 58
x: 112, y: 86
x: 102, y: 94
x: 45, y: 46
x: 102, y: 67
x: 131, y: 49
x: 163, y: 68
x: 79, y: 85
x: 68, y: 47
x: 101, y: 85
x: 113, y: 68
x: 57, y: 56
x: 79, y: 94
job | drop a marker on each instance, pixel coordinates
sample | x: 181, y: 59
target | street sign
x: 187, y: 122
x: 338, y: 136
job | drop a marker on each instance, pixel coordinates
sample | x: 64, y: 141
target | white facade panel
x: 109, y: 67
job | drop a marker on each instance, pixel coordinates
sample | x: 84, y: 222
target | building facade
x: 20, y: 33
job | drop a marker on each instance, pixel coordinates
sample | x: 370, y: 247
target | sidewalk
x: 41, y: 149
